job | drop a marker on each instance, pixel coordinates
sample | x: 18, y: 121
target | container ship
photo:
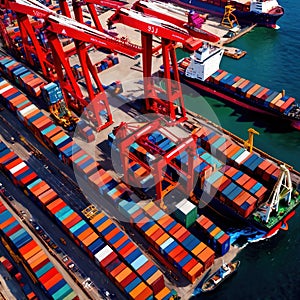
x: 254, y: 186
x: 201, y: 71
x: 261, y: 12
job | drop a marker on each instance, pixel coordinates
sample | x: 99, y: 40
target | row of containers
x: 203, y: 162
x: 98, y: 243
x: 213, y: 235
x: 21, y: 75
x: 27, y: 290
x: 251, y: 91
x: 104, y: 64
x: 170, y: 242
x: 70, y: 153
x: 34, y: 257
x: 228, y: 152
x: 51, y: 92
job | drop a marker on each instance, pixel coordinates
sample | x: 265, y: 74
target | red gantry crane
x: 82, y: 35
x: 167, y: 12
x: 170, y: 34
x: 128, y: 133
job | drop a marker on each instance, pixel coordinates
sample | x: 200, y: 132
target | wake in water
x: 241, y: 237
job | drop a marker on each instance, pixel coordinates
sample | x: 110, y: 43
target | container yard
x: 148, y: 227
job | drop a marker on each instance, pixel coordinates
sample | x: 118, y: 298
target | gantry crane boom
x: 57, y: 24
x: 173, y: 104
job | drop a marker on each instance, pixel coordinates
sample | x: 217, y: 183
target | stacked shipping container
x: 70, y: 153
x: 98, y: 245
x: 252, y: 93
x: 51, y: 281
x: 214, y: 235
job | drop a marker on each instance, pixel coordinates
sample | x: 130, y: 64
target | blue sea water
x: 270, y: 269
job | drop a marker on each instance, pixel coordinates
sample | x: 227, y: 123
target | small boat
x: 224, y: 272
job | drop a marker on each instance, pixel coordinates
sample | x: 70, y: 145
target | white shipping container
x: 3, y: 90
x: 18, y: 167
x: 25, y: 111
x: 103, y: 253
x: 187, y: 208
x: 241, y: 157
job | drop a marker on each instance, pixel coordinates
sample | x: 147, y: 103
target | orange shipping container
x: 97, y: 217
x: 113, y: 233
x: 38, y: 257
x: 104, y: 225
x: 120, y: 241
x: 195, y: 272
x: 252, y: 90
x: 51, y: 282
x: 123, y: 274
x: 90, y: 239
x: 32, y: 252
x: 199, y: 248
x: 47, y: 196
x: 141, y: 292
x: 7, y: 222
x: 85, y: 234
x: 117, y: 270
x: 163, y: 293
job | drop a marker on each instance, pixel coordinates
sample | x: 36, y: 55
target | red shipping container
x: 53, y: 281
x: 14, y: 163
x: 156, y: 282
x: 144, y: 268
x: 26, y: 180
x: 175, y: 252
x: 117, y: 270
x: 184, y: 236
x: 24, y: 249
x: 178, y: 258
x: 187, y: 267
x: 249, y: 184
x: 130, y: 247
x: 45, y: 277
x: 127, y: 280
x: 107, y: 260
x: 56, y: 206
x: 181, y: 231
x: 47, y: 197
x: 13, y: 230
x: 173, y: 230
x: 157, y: 234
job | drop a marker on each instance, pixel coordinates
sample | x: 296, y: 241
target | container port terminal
x: 128, y: 198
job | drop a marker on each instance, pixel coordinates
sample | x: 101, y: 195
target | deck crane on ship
x: 282, y: 190
x: 82, y: 34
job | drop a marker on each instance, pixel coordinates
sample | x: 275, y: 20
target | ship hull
x: 225, y: 211
x: 261, y: 19
x: 216, y: 91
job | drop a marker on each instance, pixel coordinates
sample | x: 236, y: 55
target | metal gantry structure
x: 83, y: 35
x: 170, y: 34
x: 128, y: 133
